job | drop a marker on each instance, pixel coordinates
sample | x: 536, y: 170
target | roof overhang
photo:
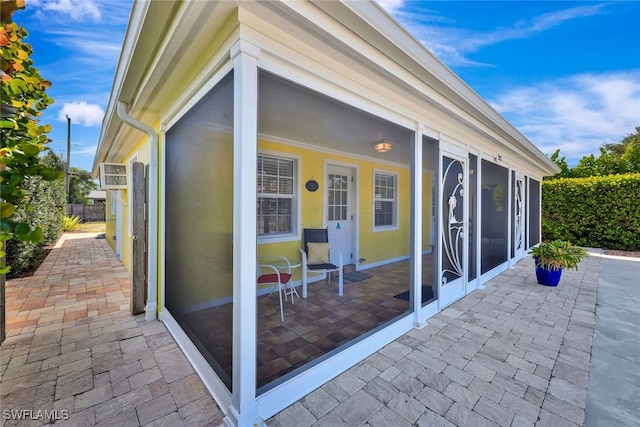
x: 140, y: 71
x: 137, y: 50
x: 372, y: 23
x: 164, y: 39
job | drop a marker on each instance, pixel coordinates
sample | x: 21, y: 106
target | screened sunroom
x: 303, y: 119
x: 363, y: 198
x: 471, y: 215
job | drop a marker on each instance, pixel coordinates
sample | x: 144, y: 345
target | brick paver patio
x: 513, y: 354
x: 74, y: 350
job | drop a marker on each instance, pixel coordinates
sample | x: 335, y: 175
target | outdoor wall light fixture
x: 382, y: 146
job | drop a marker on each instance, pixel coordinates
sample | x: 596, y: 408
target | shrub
x: 599, y: 211
x: 47, y: 201
x: 71, y: 223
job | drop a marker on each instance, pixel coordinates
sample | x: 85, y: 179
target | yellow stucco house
x: 260, y: 120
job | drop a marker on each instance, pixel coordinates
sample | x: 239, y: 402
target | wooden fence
x: 88, y: 213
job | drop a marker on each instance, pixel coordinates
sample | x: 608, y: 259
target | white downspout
x: 151, y: 307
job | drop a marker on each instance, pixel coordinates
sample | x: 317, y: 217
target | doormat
x: 354, y: 276
x: 427, y: 294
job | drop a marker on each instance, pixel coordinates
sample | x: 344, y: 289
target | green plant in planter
x: 557, y: 254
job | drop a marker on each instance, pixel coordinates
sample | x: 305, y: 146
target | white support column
x: 478, y: 221
x: 437, y: 286
x: 527, y: 186
x: 509, y: 199
x: 416, y: 221
x: 243, y: 410
x: 540, y: 210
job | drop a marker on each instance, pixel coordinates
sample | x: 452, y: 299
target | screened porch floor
x: 313, y: 326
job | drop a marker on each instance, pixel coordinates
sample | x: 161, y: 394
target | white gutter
x: 151, y: 308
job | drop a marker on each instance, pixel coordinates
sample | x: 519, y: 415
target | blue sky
x: 566, y: 74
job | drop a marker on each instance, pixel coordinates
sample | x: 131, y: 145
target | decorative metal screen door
x: 453, y: 228
x: 518, y: 217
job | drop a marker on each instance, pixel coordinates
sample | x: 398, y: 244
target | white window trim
x: 296, y: 205
x: 396, y: 203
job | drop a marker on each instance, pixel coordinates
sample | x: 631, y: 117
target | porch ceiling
x: 287, y: 112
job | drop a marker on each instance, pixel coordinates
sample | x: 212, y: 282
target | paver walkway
x: 74, y: 351
x: 513, y: 354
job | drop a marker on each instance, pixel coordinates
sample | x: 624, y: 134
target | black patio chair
x: 316, y: 257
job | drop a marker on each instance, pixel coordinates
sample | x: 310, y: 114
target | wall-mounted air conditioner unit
x: 113, y: 176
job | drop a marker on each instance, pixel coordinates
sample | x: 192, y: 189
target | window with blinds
x: 276, y: 195
x: 385, y: 200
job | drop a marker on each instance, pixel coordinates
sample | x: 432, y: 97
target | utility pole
x: 67, y: 169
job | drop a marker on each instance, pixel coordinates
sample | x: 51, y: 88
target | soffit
x: 151, y: 34
x: 197, y: 35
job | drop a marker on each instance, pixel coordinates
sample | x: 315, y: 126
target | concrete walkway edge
x: 614, y: 377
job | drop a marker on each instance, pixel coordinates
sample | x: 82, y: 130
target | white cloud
x: 82, y: 113
x: 88, y: 46
x: 77, y: 10
x: 85, y: 149
x: 549, y: 20
x: 391, y: 6
x: 453, y: 45
x: 576, y: 114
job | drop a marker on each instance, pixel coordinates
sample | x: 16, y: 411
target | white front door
x: 453, y: 229
x: 340, y: 212
x: 518, y: 217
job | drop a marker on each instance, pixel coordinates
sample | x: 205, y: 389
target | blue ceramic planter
x: 548, y: 277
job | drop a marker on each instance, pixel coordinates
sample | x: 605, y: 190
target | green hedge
x: 47, y: 200
x: 600, y: 211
